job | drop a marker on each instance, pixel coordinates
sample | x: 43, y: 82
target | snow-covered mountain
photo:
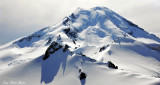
x: 89, y: 47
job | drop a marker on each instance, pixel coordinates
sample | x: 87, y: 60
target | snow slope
x: 84, y: 42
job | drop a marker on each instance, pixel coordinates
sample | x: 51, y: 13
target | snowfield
x: 90, y: 47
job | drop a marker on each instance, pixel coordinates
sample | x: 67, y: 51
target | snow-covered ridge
x: 108, y: 21
x: 98, y: 44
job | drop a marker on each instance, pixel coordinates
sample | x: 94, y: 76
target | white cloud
x: 146, y: 16
x: 22, y: 17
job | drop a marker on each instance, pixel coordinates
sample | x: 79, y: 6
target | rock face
x: 111, y: 65
x: 154, y: 47
x: 51, y: 49
x: 55, y: 46
x: 65, y: 48
x: 82, y: 76
x: 72, y: 34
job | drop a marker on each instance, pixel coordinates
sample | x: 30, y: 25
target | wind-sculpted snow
x: 89, y: 47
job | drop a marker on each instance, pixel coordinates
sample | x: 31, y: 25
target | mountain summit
x: 89, y: 47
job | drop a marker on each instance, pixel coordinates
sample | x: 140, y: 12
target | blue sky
x: 20, y: 18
